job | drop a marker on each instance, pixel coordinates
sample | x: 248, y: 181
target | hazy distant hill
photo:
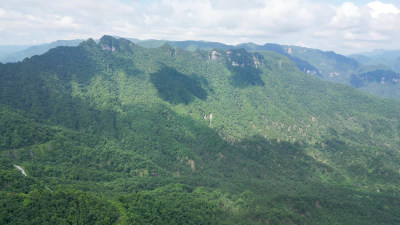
x: 9, y: 49
x: 115, y: 133
x: 15, y: 54
x: 389, y: 58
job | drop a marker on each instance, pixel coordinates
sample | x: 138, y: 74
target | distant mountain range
x: 388, y: 58
x: 326, y: 65
x: 12, y: 53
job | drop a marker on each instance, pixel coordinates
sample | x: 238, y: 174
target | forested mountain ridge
x: 327, y: 65
x: 324, y: 64
x: 163, y: 135
x: 341, y: 69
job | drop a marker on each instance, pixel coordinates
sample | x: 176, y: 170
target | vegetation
x: 326, y: 65
x: 114, y: 133
x: 373, y: 82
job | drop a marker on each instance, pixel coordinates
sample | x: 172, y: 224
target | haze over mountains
x: 111, y: 132
x: 389, y: 58
x: 18, y: 53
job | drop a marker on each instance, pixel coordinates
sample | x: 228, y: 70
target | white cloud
x: 378, y: 8
x: 347, y: 27
x: 347, y: 15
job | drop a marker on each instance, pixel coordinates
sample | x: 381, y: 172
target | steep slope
x: 163, y: 135
x: 385, y: 83
x: 326, y: 65
x: 332, y: 66
x: 338, y: 68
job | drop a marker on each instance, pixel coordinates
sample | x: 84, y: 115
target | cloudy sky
x: 342, y: 26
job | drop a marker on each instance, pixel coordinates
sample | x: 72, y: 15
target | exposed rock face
x: 215, y: 55
x: 236, y: 58
x: 334, y: 74
x: 190, y: 162
x: 257, y: 63
x: 109, y: 43
x: 108, y: 48
x: 20, y: 170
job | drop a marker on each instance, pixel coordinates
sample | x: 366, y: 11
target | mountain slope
x: 389, y: 58
x: 338, y: 68
x: 326, y: 65
x: 152, y: 133
x: 9, y: 49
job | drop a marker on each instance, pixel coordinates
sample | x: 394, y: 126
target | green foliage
x: 61, y: 207
x: 384, y: 83
x: 173, y: 204
x: 116, y: 133
x: 176, y: 87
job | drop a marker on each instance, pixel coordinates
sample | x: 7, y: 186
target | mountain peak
x: 110, y: 43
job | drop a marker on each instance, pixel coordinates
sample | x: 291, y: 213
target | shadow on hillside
x: 283, y: 160
x: 245, y: 76
x: 177, y: 88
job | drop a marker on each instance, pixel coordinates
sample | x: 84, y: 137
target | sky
x: 345, y: 27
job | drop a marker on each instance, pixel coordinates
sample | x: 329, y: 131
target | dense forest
x: 115, y: 133
x: 326, y: 65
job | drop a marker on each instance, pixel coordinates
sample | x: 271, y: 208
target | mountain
x: 15, y: 53
x: 150, y: 43
x: 384, y: 83
x: 388, y: 58
x: 18, y: 53
x: 9, y: 49
x: 204, y: 45
x: 341, y: 69
x: 326, y: 65
x: 115, y: 133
